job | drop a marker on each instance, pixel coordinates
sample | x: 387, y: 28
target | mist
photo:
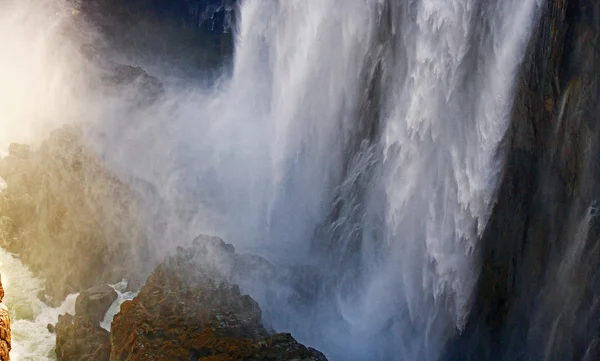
x: 357, y: 149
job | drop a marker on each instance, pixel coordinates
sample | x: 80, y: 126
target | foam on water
x: 31, y: 340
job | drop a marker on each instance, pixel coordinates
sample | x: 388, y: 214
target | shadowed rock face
x: 94, y: 302
x: 217, y: 16
x: 537, y: 292
x: 189, y: 37
x: 81, y: 339
x: 188, y: 310
x: 5, y: 341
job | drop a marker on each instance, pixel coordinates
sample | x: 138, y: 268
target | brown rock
x: 81, y: 339
x: 94, y: 302
x: 5, y: 342
x: 188, y: 311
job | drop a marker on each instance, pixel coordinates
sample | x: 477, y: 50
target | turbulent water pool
x: 31, y: 340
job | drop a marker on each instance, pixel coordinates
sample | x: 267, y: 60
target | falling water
x: 357, y: 137
x: 372, y: 129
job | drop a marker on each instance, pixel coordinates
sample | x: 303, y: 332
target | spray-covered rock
x: 69, y: 219
x: 81, y: 339
x: 94, y: 302
x: 188, y: 310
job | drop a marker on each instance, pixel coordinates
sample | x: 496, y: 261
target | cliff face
x: 539, y: 278
x: 5, y: 342
x: 189, y: 36
x: 216, y: 16
x: 67, y: 217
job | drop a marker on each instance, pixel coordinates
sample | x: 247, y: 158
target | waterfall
x: 382, y: 122
x: 360, y: 138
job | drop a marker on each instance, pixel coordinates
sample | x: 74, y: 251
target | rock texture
x: 81, y: 339
x: 539, y: 285
x: 188, y: 310
x: 67, y: 217
x: 94, y: 302
x: 185, y: 38
x: 217, y: 16
x: 5, y: 341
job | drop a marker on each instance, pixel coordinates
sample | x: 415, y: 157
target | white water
x: 31, y: 340
x: 259, y: 158
x: 122, y: 296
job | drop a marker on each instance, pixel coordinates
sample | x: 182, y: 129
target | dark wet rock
x: 51, y: 328
x: 94, y: 302
x: 539, y: 282
x: 593, y: 351
x: 68, y: 218
x: 81, y: 339
x: 214, y: 16
x: 123, y: 80
x: 188, y: 310
x: 187, y: 38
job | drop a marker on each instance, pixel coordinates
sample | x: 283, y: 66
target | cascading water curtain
x: 356, y: 137
x: 398, y: 241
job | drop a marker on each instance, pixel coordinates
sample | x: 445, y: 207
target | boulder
x: 189, y: 310
x: 94, y: 302
x: 81, y: 339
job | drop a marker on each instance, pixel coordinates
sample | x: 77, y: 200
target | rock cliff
x: 536, y: 297
x: 67, y: 217
x: 5, y: 341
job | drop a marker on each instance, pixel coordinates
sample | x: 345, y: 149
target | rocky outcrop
x: 67, y: 216
x: 188, y: 310
x: 5, y: 341
x: 94, y: 302
x: 81, y: 339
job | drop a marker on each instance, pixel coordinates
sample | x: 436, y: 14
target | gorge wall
x: 539, y: 278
